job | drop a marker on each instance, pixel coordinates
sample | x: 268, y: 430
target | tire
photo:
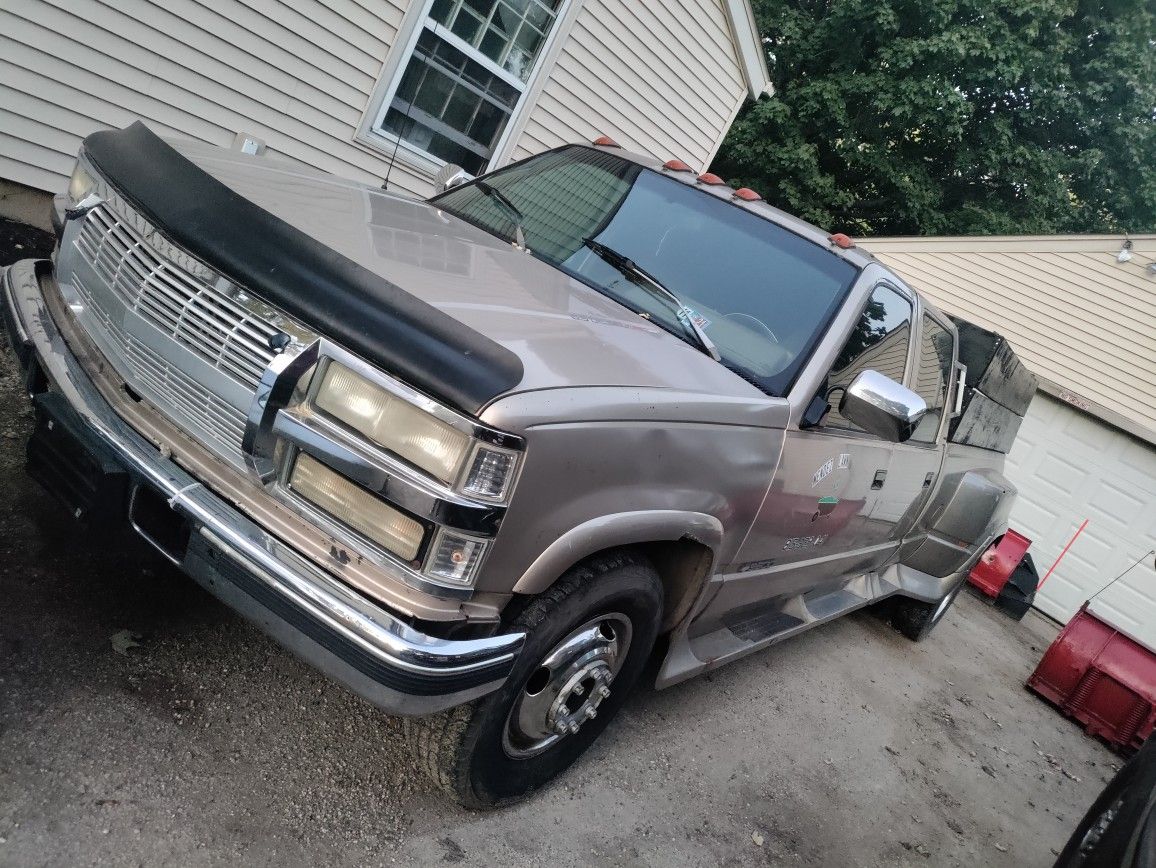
x: 916, y: 619
x: 1118, y: 828
x: 480, y: 753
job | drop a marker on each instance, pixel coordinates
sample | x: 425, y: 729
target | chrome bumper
x: 393, y: 665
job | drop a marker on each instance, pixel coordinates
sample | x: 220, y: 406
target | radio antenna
x: 408, y: 112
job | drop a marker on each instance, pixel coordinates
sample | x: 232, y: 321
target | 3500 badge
x: 804, y: 542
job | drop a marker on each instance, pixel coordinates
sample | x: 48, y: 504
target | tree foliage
x: 935, y: 117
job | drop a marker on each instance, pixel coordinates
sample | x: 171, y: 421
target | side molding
x: 624, y: 528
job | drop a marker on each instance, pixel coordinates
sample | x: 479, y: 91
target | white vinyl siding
x: 296, y: 73
x: 661, y: 78
x: 301, y: 75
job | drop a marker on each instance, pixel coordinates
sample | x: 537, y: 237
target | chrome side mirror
x: 449, y: 176
x: 882, y: 407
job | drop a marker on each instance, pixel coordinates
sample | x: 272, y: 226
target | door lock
x: 880, y: 478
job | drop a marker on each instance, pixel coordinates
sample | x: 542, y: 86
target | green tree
x: 934, y: 117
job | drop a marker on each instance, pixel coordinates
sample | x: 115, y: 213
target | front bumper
x: 379, y: 656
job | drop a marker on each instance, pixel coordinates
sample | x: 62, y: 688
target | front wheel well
x: 682, y: 565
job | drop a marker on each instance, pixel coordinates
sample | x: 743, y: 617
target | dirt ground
x: 206, y: 744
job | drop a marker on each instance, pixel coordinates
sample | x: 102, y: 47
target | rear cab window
x: 932, y: 377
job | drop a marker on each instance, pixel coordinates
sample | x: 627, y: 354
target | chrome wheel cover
x: 567, y: 686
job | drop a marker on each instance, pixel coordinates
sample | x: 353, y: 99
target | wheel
x: 915, y: 619
x: 588, y: 639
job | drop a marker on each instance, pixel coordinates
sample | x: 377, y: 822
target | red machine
x: 1102, y: 678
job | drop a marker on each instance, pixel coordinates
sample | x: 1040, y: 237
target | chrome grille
x: 198, y: 406
x: 195, y: 314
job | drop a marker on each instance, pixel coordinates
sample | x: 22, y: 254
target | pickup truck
x: 480, y: 457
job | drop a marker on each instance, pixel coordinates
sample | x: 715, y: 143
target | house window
x: 469, y: 68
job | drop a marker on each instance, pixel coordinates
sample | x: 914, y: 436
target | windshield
x: 761, y: 293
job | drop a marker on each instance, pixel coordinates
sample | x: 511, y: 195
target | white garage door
x: 1068, y: 468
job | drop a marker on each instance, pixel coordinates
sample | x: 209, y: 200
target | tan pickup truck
x: 479, y: 457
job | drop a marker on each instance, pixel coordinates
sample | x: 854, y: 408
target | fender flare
x: 617, y: 529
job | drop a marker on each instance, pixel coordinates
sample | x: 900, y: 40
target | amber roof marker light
x: 676, y: 166
x: 606, y: 142
x: 843, y: 242
x: 710, y: 179
x: 746, y: 194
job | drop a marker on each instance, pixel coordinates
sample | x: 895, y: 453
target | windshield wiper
x: 634, y: 272
x: 516, y: 216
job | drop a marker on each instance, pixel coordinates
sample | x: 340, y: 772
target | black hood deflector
x: 364, y: 312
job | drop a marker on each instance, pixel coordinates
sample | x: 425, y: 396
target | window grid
x: 465, y: 76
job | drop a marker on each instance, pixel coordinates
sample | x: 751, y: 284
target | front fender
x: 619, y: 529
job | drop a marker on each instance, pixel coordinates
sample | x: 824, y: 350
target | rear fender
x: 967, y: 513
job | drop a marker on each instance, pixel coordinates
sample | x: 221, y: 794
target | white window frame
x: 417, y: 19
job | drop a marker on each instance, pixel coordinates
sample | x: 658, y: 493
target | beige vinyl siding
x: 659, y: 78
x: 296, y: 73
x: 1082, y: 322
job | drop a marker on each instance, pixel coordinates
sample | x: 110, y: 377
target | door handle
x: 927, y: 480
x: 880, y: 478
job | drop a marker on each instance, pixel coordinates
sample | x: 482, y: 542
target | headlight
x: 79, y: 185
x: 409, y: 432
x: 354, y: 506
x: 392, y: 423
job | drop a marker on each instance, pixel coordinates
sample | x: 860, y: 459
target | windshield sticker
x: 697, y: 318
x: 844, y: 461
x: 823, y: 472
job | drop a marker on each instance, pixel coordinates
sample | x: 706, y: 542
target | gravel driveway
x: 205, y: 743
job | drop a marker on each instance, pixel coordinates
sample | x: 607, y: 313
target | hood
x: 565, y: 333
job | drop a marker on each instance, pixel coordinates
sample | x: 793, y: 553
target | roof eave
x: 752, y: 58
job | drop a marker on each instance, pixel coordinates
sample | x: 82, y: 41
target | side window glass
x: 879, y: 342
x: 932, y: 377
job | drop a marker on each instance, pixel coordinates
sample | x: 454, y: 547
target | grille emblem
x: 279, y: 341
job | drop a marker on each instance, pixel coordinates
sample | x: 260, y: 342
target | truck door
x: 830, y: 513
x: 913, y: 472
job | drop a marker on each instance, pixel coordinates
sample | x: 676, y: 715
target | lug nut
x: 573, y: 729
x: 603, y: 691
x: 590, y: 712
x: 578, y: 690
x: 560, y: 728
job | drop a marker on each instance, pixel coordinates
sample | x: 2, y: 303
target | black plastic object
x: 997, y: 390
x: 1018, y: 593
x: 363, y: 311
x: 68, y: 463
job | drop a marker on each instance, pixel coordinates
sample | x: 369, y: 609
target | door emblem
x: 823, y: 472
